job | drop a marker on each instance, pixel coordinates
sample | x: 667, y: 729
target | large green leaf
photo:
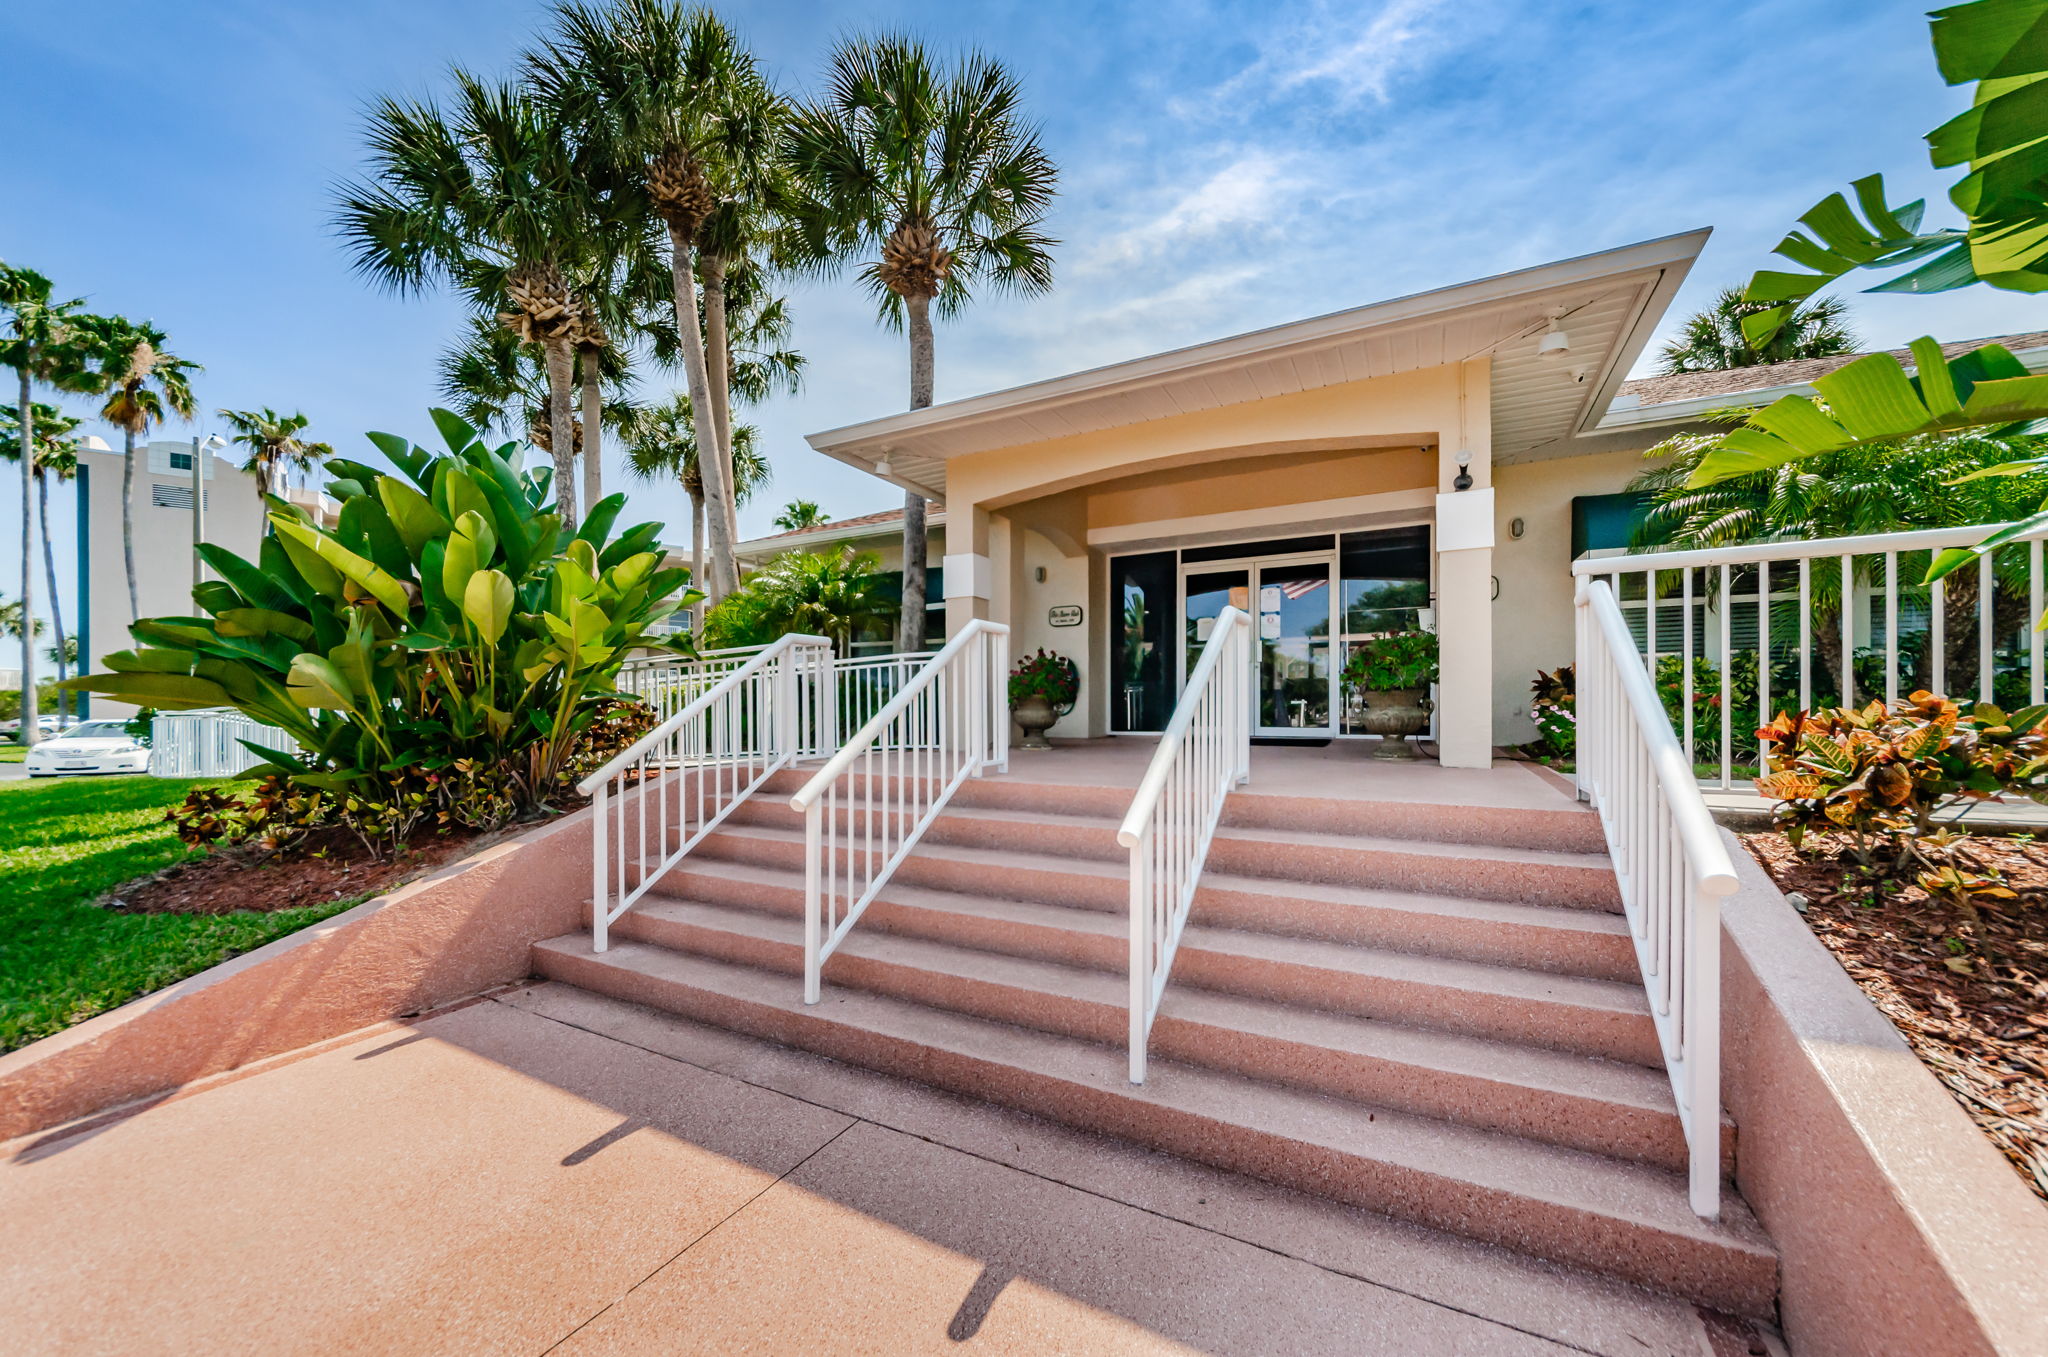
x: 172, y: 692
x: 255, y: 585
x: 365, y: 574
x: 262, y: 622
x: 487, y: 603
x: 1875, y: 400
x: 414, y: 462
x: 413, y: 514
x: 316, y: 681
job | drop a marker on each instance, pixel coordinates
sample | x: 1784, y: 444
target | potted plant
x: 1392, y: 674
x: 1042, y: 690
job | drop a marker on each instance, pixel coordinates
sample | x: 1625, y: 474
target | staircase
x: 1430, y: 1011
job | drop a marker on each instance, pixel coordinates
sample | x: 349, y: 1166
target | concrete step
x: 1479, y: 872
x: 964, y: 894
x: 1074, y: 954
x: 1628, y: 1219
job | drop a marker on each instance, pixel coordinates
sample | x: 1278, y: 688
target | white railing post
x: 999, y: 701
x: 892, y: 778
x: 600, y: 877
x: 1204, y: 751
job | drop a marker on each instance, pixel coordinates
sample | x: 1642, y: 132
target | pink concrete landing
x: 551, y: 1165
x: 1341, y: 770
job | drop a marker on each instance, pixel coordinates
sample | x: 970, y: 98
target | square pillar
x: 970, y: 571
x: 1464, y: 580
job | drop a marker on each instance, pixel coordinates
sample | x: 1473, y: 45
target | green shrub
x: 838, y: 594
x: 1880, y: 775
x: 448, y: 626
x: 1553, y: 706
x: 1400, y: 659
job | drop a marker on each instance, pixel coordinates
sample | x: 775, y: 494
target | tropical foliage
x: 840, y: 595
x: 1882, y: 775
x: 799, y: 514
x: 56, y: 457
x: 1712, y: 340
x: 661, y: 443
x: 444, y: 650
x: 1398, y: 660
x: 933, y: 181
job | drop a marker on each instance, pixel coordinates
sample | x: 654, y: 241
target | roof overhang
x: 1609, y: 303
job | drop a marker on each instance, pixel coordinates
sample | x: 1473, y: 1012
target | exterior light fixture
x: 1464, y: 480
x: 882, y: 468
x: 1554, y: 344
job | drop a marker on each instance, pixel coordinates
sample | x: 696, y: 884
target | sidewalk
x: 548, y: 1170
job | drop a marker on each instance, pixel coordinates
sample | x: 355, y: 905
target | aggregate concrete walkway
x: 546, y: 1170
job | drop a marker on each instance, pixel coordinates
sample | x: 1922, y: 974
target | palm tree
x: 663, y: 443
x: 45, y: 341
x: 56, y: 456
x: 681, y: 118
x: 275, y: 451
x: 147, y: 381
x: 937, y: 183
x: 487, y: 197
x: 1712, y: 341
x: 799, y: 514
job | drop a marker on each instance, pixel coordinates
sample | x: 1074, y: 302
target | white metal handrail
x: 656, y: 799
x: 1205, y: 751
x: 1779, y: 588
x: 1670, y: 863
x: 208, y: 743
x: 871, y: 803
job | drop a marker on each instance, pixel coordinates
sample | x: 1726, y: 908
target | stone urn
x: 1034, y: 716
x: 1394, y: 714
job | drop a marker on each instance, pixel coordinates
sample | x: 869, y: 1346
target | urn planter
x: 1394, y: 714
x: 1034, y: 716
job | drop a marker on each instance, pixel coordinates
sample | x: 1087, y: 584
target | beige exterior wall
x: 163, y: 543
x: 1532, y: 618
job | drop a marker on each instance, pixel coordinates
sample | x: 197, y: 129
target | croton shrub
x: 445, y: 653
x: 1883, y: 776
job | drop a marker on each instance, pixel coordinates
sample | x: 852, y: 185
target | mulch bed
x: 332, y: 865
x: 1972, y: 1001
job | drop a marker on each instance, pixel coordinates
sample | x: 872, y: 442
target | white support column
x: 1464, y: 580
x: 970, y: 573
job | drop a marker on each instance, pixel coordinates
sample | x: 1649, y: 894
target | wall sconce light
x: 1039, y: 574
x: 1464, y: 480
x: 1516, y: 528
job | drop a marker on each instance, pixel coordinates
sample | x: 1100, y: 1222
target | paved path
x: 550, y: 1171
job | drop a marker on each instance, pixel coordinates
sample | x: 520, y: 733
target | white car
x: 93, y: 747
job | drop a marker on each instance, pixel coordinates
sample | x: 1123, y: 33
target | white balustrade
x: 1204, y: 752
x: 1779, y: 604
x: 208, y: 743
x: 864, y: 811
x: 1670, y: 863
x: 657, y: 799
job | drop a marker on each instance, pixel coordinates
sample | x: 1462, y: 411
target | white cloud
x: 1335, y: 53
x: 1253, y: 190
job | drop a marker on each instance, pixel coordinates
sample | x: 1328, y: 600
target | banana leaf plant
x: 2003, y: 196
x: 448, y: 616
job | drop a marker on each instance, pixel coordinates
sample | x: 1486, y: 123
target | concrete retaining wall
x: 1900, y: 1228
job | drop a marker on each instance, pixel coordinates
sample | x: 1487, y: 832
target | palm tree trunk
x: 697, y: 550
x: 50, y: 575
x: 562, y: 434
x: 128, y: 520
x: 718, y: 375
x: 910, y: 621
x: 28, y: 579
x: 593, y: 440
x: 711, y: 460
x: 262, y: 462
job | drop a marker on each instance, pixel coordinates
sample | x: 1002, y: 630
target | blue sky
x: 1224, y: 166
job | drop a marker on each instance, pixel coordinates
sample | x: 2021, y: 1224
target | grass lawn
x: 63, y: 843
x: 10, y: 752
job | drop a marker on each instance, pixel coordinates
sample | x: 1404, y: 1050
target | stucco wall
x: 1532, y: 616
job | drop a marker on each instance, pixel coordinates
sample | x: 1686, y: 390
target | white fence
x: 1205, y: 751
x: 1670, y: 863
x: 208, y: 743
x: 870, y: 804
x: 1764, y: 617
x: 657, y: 799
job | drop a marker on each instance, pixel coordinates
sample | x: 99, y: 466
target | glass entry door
x: 1292, y: 620
x: 1290, y: 602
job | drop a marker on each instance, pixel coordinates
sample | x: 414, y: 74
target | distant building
x: 163, y: 542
